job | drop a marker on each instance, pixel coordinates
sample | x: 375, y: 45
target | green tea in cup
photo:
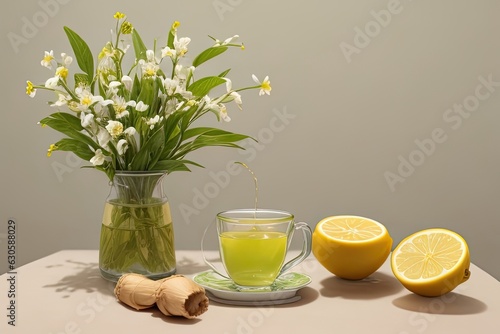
x: 253, y: 244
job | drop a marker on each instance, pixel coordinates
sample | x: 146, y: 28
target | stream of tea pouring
x: 255, y: 183
x: 212, y: 223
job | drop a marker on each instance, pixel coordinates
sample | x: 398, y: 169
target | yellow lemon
x: 351, y: 247
x: 431, y: 262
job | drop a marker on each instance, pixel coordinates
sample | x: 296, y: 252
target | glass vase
x: 137, y: 232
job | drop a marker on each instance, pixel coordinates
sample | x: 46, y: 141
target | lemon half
x: 351, y: 247
x: 431, y: 262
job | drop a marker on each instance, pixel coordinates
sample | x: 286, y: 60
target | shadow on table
x: 377, y: 285
x: 451, y: 303
x: 156, y: 313
x: 86, y: 277
x: 186, y: 266
x: 307, y: 294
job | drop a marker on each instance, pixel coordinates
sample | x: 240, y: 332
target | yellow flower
x: 175, y: 25
x: 52, y: 148
x: 30, y: 90
x: 126, y: 28
x: 119, y: 15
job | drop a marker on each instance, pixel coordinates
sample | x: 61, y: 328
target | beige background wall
x: 386, y: 109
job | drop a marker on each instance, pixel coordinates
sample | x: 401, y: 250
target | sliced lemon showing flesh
x: 431, y: 262
x: 351, y: 247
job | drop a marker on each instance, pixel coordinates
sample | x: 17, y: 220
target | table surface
x: 64, y: 294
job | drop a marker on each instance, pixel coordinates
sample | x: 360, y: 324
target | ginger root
x: 175, y: 295
x: 177, y: 288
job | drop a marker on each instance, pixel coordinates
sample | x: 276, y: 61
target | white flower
x: 62, y: 72
x: 182, y: 72
x: 67, y: 60
x: 115, y: 128
x: 127, y: 82
x: 47, y: 59
x: 229, y: 84
x: 150, y: 56
x: 130, y: 131
x: 62, y: 100
x: 237, y: 99
x: 181, y: 44
x: 171, y: 86
x: 103, y: 138
x: 52, y: 83
x: 120, y: 106
x: 223, y: 113
x: 99, y: 111
x: 168, y: 52
x: 87, y: 99
x: 112, y: 90
x: 171, y: 106
x: 152, y: 121
x: 141, y: 106
x: 114, y: 84
x: 86, y: 119
x: 230, y: 39
x: 122, y: 146
x: 265, y: 86
x: 98, y: 158
x: 234, y: 95
x: 209, y: 104
x: 149, y: 69
x: 226, y: 41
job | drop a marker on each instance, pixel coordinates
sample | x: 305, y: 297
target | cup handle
x: 306, y: 248
x: 208, y: 263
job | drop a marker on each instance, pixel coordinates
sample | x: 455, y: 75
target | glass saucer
x: 224, y: 290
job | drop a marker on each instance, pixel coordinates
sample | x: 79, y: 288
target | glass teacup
x: 253, y: 244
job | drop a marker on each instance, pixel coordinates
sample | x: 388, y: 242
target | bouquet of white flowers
x: 140, y: 119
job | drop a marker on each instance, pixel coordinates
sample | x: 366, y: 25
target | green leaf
x: 139, y: 46
x: 208, y: 131
x: 82, y: 53
x: 211, y: 138
x: 171, y: 37
x: 154, y: 107
x: 80, y: 149
x: 81, y: 78
x: 203, y: 86
x: 149, y: 153
x: 208, y: 54
x: 196, y: 132
x: 174, y: 165
x: 136, y: 90
x: 72, y: 121
x: 70, y: 126
x: 223, y: 74
x: 147, y: 94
